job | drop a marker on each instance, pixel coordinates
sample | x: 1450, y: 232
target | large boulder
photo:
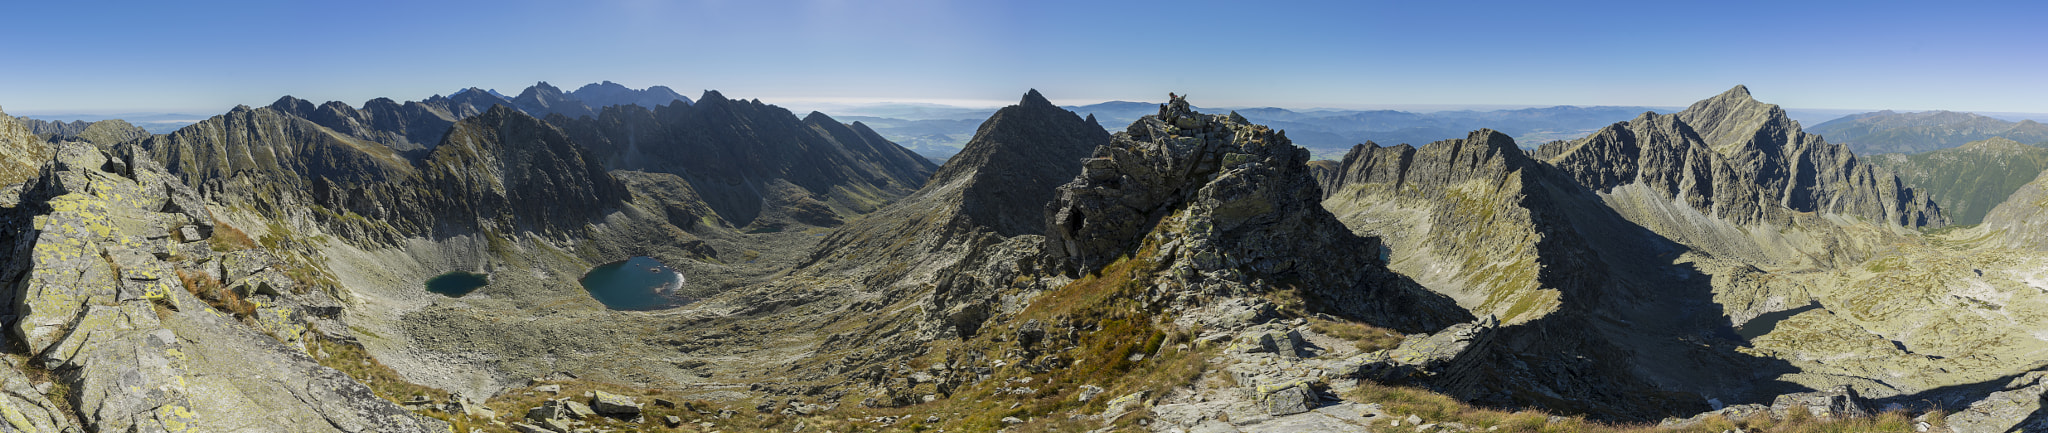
x: 1839, y: 403
x: 614, y: 405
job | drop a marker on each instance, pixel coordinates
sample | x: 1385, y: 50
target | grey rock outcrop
x: 1232, y: 210
x: 2015, y: 407
x: 1835, y: 404
x: 97, y: 297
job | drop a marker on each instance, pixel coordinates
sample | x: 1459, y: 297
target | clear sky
x: 205, y: 57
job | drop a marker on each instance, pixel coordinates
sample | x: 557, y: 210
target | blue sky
x: 205, y: 57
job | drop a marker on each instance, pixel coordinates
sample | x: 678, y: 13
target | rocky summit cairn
x: 1232, y: 210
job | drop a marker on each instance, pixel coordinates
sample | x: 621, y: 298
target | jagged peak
x: 1740, y: 91
x: 1032, y: 98
x: 819, y: 118
x: 337, y: 105
x: 1494, y: 140
x: 500, y: 110
x: 291, y: 103
x: 711, y: 96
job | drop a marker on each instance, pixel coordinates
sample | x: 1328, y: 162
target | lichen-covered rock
x: 1839, y: 403
x: 614, y: 405
x: 1287, y: 400
x: 23, y: 409
x: 97, y: 299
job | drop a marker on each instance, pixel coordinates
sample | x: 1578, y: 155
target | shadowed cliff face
x: 502, y: 170
x: 756, y: 164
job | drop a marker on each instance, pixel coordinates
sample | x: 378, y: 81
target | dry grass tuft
x: 1366, y: 337
x: 217, y: 295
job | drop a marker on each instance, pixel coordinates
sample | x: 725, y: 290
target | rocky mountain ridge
x: 809, y: 171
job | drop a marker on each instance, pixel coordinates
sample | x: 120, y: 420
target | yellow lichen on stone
x: 16, y: 419
x: 177, y: 418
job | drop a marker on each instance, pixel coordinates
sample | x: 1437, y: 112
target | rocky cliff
x: 102, y: 290
x: 1729, y: 162
x: 1233, y: 210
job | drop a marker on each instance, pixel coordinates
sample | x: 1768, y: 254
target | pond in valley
x: 458, y: 283
x: 635, y: 284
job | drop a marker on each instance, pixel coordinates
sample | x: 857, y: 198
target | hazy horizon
x: 206, y: 58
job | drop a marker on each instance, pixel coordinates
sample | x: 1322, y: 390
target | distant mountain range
x: 938, y: 132
x: 1890, y: 131
x: 1968, y: 181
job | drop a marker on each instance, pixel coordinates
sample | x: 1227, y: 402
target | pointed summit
x: 543, y: 99
x: 1734, y: 117
x: 1740, y: 91
x: 1033, y: 98
x: 711, y: 96
x: 1016, y: 162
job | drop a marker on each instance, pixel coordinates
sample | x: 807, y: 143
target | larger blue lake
x: 636, y: 284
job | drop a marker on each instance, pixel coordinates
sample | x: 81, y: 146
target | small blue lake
x: 458, y: 283
x: 635, y: 284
